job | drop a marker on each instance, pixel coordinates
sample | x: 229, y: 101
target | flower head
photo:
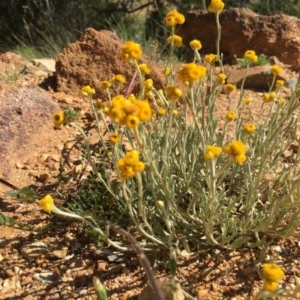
x: 272, y: 272
x: 87, y: 90
x: 148, y: 84
x: 114, y: 138
x: 119, y: 78
x: 251, y: 56
x: 216, y: 6
x: 166, y: 71
x: 173, y: 92
x: 238, y: 150
x: 212, y: 152
x: 269, y: 97
x: 191, y: 72
x: 270, y: 286
x: 131, y: 50
x: 231, y: 115
x: 210, y: 58
x: 195, y: 44
x: 161, y: 111
x: 175, y: 40
x: 275, y: 70
x: 46, y: 203
x: 279, y: 83
x: 249, y: 128
x: 174, y: 17
x: 132, y: 121
x: 58, y: 119
x: 221, y: 78
x: 229, y: 88
x: 104, y: 85
x: 144, y: 68
x: 247, y: 100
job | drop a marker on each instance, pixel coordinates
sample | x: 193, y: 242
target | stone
x: 243, y: 30
x: 34, y: 250
x: 96, y: 57
x: 258, y: 77
x: 45, y: 64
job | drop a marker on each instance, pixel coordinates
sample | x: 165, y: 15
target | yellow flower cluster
x: 144, y: 69
x: 191, y: 72
x: 129, y: 112
x: 269, y: 97
x: 46, y: 203
x: 279, y: 83
x: 130, y: 164
x: 216, y: 6
x: 211, y: 58
x: 173, y: 92
x: 272, y: 273
x: 131, y: 51
x: 119, y: 78
x: 195, y: 45
x: 275, y: 70
x: 251, y: 56
x: 174, y: 17
x: 59, y: 118
x: 87, y: 90
x: 221, y: 78
x: 175, y: 40
x: 238, y: 150
x: 212, y: 152
x: 247, y: 100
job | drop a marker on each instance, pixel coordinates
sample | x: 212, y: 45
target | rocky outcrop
x: 96, y: 57
x: 242, y: 29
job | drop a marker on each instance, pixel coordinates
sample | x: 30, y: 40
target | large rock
x: 96, y: 57
x: 242, y: 29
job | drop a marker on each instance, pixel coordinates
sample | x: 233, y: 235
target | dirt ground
x: 62, y: 260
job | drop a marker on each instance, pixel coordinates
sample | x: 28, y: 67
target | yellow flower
x: 221, y: 78
x: 195, y: 44
x: 272, y: 272
x: 279, y: 83
x: 231, y: 115
x: 216, y: 6
x: 270, y: 286
x: 105, y: 110
x: 238, y: 150
x: 191, y: 72
x: 161, y: 111
x: 87, y: 90
x: 174, y: 17
x: 167, y: 71
x: 249, y: 128
x: 144, y: 68
x: 131, y: 50
x: 145, y: 111
x: 131, y: 158
x: 248, y: 100
x: 175, y: 40
x: 267, y: 98
x: 104, y: 85
x: 58, y: 119
x: 174, y: 112
x: 229, y: 88
x: 173, y: 92
x: 160, y: 203
x: 132, y: 121
x: 212, y: 152
x: 210, y: 58
x: 148, y: 84
x: 281, y: 101
x: 139, y: 166
x: 119, y: 78
x: 240, y: 158
x: 251, y: 56
x: 46, y: 203
x: 275, y: 70
x: 114, y: 138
